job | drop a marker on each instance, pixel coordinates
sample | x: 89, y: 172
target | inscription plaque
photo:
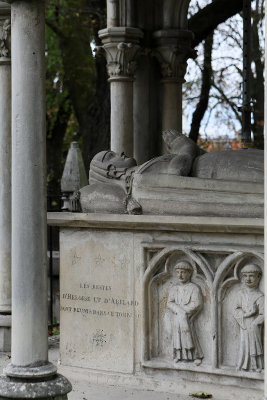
x: 98, y: 308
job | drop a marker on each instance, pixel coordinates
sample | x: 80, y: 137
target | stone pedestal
x: 121, y: 47
x: 5, y: 178
x: 30, y: 375
x: 118, y: 288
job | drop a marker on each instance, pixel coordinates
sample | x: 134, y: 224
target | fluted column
x: 5, y: 178
x: 173, y: 48
x: 30, y: 375
x: 121, y: 47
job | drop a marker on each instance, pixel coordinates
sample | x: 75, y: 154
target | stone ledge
x: 159, y: 222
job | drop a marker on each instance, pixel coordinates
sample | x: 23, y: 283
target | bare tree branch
x: 207, y: 19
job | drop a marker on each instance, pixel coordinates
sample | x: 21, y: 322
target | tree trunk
x: 205, y: 89
x: 257, y: 84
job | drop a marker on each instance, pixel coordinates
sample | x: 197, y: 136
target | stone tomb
x: 129, y: 316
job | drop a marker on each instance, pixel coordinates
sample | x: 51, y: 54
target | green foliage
x: 70, y: 78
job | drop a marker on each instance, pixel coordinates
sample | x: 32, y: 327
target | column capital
x: 5, y: 33
x: 121, y: 49
x: 173, y: 48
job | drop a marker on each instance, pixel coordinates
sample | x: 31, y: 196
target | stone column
x: 5, y: 178
x: 173, y: 48
x: 30, y: 375
x: 265, y: 210
x: 147, y: 119
x: 112, y: 13
x: 120, y: 45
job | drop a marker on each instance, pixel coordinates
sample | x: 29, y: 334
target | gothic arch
x: 175, y: 14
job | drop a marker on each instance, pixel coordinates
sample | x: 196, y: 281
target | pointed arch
x: 175, y: 14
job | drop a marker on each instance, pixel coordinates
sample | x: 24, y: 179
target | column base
x: 56, y: 388
x: 5, y: 333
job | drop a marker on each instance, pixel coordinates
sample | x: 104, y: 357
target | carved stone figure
x: 249, y: 314
x: 5, y: 27
x: 185, y: 159
x: 112, y: 176
x: 185, y: 301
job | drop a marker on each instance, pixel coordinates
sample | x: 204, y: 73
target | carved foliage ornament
x: 173, y: 61
x: 5, y: 28
x: 121, y: 58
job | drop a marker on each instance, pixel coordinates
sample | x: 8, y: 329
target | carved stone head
x: 184, y: 271
x: 251, y: 275
x: 107, y: 158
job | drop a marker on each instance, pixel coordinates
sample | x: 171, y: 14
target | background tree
x: 78, y: 103
x: 214, y: 90
x: 77, y: 87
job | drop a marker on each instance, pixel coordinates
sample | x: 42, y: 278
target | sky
x: 219, y: 120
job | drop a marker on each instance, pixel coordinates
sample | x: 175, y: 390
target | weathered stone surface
x: 5, y: 178
x: 97, y: 293
x: 242, y: 165
x: 103, y: 198
x: 54, y: 389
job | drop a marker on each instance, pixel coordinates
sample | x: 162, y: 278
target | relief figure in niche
x: 185, y: 301
x: 249, y: 314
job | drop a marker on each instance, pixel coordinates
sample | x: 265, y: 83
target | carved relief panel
x: 203, y: 310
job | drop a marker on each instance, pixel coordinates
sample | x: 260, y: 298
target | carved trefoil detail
x: 198, y: 315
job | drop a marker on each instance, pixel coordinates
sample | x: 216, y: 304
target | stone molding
x: 161, y: 222
x: 173, y: 48
x: 121, y: 49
